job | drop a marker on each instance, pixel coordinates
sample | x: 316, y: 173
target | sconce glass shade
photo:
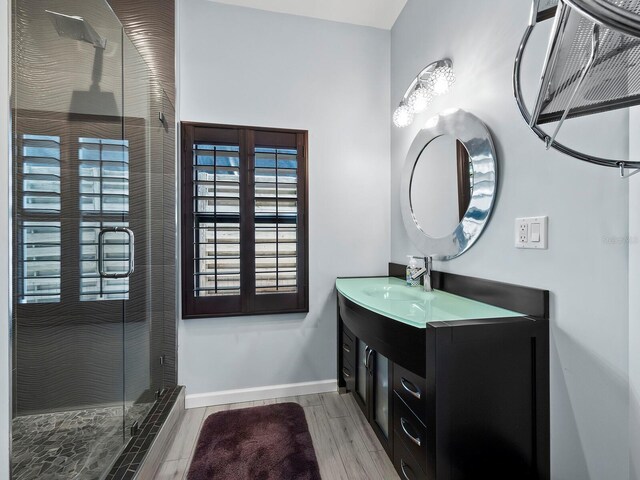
x: 403, y: 116
x: 435, y: 79
x: 441, y: 80
x: 420, y: 98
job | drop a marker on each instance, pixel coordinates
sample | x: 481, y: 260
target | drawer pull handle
x: 404, y: 467
x: 346, y: 348
x: 403, y: 424
x: 411, y: 388
x: 346, y: 373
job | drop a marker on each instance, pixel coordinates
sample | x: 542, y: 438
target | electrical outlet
x: 522, y: 232
x: 531, y: 232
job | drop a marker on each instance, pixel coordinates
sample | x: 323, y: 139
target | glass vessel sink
x: 391, y: 297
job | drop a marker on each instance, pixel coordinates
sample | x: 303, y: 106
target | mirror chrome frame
x: 475, y: 136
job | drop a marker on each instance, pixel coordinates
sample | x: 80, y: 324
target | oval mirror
x: 448, y: 184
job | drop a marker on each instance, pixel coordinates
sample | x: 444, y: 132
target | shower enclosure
x: 94, y: 239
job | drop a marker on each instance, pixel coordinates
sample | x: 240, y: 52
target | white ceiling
x: 371, y: 13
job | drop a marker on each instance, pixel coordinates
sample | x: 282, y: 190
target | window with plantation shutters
x: 244, y: 220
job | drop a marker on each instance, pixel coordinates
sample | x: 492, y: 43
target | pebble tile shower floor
x: 78, y: 444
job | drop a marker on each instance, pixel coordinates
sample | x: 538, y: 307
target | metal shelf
x: 592, y: 66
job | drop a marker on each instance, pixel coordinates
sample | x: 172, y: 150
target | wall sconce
x: 435, y: 79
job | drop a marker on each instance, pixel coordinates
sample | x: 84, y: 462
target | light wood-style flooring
x: 346, y: 446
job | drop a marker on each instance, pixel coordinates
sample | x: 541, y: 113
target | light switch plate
x: 531, y: 232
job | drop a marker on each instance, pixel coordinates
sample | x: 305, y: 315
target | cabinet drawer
x: 406, y: 466
x: 410, y: 431
x: 411, y: 388
x: 349, y: 376
x: 347, y: 347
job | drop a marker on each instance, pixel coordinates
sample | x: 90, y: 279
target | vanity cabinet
x: 456, y: 399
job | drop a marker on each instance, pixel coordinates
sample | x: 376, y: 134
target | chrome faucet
x: 425, y: 273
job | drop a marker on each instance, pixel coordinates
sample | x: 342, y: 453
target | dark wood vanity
x: 456, y: 400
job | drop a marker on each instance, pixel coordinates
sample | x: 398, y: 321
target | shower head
x: 77, y: 28
x: 94, y: 101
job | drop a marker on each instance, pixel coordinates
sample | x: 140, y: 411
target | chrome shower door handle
x: 131, y: 268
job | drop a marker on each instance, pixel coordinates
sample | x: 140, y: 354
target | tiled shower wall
x: 150, y: 24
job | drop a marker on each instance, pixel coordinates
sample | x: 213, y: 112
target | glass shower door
x: 72, y: 246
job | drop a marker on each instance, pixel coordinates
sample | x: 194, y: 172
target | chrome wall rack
x: 592, y: 66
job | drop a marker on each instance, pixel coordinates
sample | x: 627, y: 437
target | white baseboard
x: 196, y: 400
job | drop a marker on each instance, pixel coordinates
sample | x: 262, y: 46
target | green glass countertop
x: 391, y: 297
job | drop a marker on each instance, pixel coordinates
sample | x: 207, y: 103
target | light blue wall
x: 634, y: 300
x: 586, y: 265
x: 250, y: 67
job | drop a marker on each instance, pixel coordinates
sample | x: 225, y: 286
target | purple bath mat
x: 260, y: 443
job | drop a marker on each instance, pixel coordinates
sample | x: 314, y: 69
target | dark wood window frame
x: 248, y: 302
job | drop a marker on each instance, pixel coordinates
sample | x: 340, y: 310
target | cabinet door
x: 381, y: 403
x: 381, y: 393
x: 373, y: 389
x: 362, y: 371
